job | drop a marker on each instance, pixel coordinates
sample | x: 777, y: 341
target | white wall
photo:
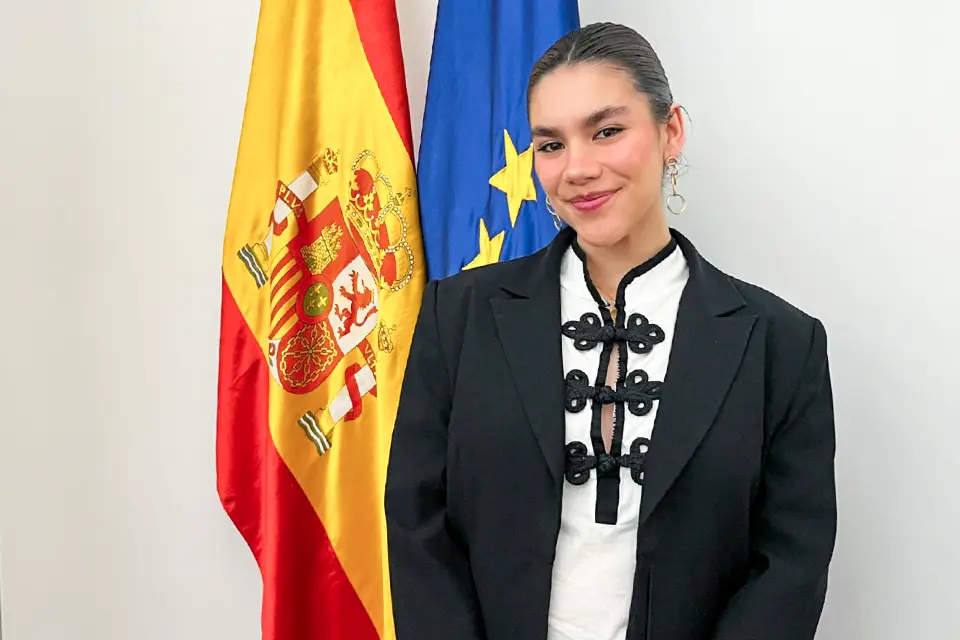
x: 825, y: 131
x: 120, y: 123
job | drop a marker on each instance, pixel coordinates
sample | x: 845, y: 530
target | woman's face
x: 598, y: 151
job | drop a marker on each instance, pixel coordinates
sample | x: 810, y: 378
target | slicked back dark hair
x: 616, y: 45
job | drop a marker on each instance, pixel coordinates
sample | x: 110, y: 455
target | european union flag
x: 479, y: 199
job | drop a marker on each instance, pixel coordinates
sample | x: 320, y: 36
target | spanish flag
x: 323, y: 273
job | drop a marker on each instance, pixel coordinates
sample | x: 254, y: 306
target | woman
x: 610, y: 438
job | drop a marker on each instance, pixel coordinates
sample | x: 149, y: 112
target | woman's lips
x: 592, y: 201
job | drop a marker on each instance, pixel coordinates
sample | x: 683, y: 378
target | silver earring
x: 676, y: 203
x: 557, y: 222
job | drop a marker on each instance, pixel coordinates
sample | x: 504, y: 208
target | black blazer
x: 738, y: 518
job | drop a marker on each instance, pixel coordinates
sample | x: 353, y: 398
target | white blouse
x: 614, y: 364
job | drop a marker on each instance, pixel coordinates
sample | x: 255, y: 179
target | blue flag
x: 479, y: 199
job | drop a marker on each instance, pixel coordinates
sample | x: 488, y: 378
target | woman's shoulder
x: 771, y: 305
x: 787, y: 324
x: 783, y: 318
x: 795, y: 349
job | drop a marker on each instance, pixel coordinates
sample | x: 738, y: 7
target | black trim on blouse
x: 634, y: 390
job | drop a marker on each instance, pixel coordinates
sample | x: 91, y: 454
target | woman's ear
x: 675, y: 129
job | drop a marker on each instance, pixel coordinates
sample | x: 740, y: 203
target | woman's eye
x: 608, y: 132
x: 549, y: 147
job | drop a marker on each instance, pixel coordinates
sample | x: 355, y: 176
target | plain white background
x: 824, y: 163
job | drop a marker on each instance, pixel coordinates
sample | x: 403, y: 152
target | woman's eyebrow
x: 591, y: 120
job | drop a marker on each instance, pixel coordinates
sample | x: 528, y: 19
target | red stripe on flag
x: 280, y: 264
x: 380, y: 34
x: 278, y: 327
x: 278, y: 305
x: 278, y: 282
x: 306, y: 593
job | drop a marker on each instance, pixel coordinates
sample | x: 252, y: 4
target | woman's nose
x: 581, y: 166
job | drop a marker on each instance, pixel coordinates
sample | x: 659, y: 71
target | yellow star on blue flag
x: 516, y: 178
x: 489, y: 248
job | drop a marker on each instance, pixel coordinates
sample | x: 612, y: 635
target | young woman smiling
x: 610, y: 439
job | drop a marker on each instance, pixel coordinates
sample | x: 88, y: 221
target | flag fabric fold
x: 323, y: 273
x: 479, y: 201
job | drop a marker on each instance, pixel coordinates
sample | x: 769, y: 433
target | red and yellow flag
x: 322, y: 280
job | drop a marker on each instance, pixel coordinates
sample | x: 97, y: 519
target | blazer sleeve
x: 794, y: 529
x: 431, y: 583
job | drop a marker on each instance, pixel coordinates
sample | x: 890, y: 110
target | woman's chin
x: 598, y: 232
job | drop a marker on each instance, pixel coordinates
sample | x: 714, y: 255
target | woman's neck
x: 608, y: 265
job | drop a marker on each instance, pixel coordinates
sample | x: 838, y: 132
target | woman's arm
x: 433, y: 592
x: 793, y: 531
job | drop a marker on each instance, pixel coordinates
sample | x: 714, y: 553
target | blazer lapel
x: 706, y: 354
x: 528, y: 325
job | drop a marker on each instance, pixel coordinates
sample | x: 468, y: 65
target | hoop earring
x: 676, y: 203
x: 557, y: 222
